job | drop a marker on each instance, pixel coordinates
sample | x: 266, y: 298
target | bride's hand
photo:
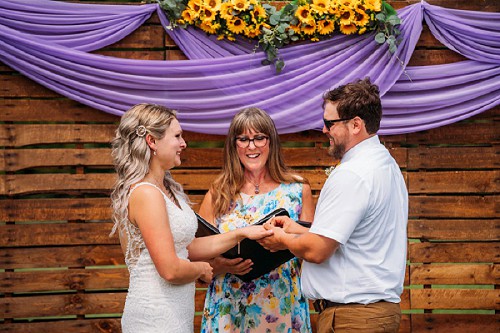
x: 255, y: 232
x: 206, y: 271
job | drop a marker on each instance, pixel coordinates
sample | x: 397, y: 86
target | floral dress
x: 271, y: 303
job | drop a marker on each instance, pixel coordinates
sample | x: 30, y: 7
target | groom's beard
x: 337, y: 150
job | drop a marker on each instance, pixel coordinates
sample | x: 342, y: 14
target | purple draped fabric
x: 47, y: 42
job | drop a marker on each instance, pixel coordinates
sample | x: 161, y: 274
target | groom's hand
x: 273, y: 243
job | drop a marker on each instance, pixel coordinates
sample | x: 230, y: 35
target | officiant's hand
x: 234, y: 266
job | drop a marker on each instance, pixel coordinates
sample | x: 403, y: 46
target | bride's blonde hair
x: 131, y: 155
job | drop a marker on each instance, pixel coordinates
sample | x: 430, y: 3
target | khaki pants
x: 359, y: 318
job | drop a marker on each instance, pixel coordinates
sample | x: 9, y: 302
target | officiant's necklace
x: 256, y: 185
x: 257, y: 189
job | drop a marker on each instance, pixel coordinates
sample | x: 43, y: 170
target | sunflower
x: 252, y: 32
x: 240, y: 5
x: 374, y: 5
x: 309, y: 28
x: 295, y: 28
x: 213, y: 4
x: 361, y: 18
x: 320, y: 6
x: 303, y: 13
x: 189, y: 15
x: 209, y: 28
x: 259, y: 12
x: 226, y: 11
x: 195, y: 5
x: 325, y: 27
x: 207, y: 15
x: 237, y: 25
x: 346, y: 17
x: 348, y: 3
x: 348, y: 29
x: 334, y: 11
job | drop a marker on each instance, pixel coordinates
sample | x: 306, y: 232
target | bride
x: 157, y: 226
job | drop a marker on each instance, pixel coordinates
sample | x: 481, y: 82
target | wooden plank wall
x: 60, y: 272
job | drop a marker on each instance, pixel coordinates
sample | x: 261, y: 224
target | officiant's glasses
x: 330, y: 123
x: 259, y: 141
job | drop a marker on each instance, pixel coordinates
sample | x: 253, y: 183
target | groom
x: 355, y: 250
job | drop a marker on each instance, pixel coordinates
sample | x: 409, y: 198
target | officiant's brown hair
x: 226, y: 187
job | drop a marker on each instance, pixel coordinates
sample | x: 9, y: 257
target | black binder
x: 263, y: 260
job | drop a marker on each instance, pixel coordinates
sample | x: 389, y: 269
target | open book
x: 263, y: 260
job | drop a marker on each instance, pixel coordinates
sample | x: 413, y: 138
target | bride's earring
x: 154, y: 152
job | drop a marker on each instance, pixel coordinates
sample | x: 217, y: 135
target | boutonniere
x: 329, y: 170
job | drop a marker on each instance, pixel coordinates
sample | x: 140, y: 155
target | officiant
x: 253, y: 182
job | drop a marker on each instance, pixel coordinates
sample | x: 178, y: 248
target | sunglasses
x: 330, y: 123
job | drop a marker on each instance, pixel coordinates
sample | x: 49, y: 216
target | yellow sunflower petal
x: 213, y: 4
x: 348, y: 29
x: 303, y: 13
x: 320, y: 6
x: 325, y: 27
x: 240, y: 5
x: 236, y: 25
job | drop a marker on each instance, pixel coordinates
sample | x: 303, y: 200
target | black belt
x: 321, y: 304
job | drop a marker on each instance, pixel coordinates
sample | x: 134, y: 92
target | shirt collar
x: 371, y: 141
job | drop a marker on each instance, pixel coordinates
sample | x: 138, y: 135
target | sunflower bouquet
x: 320, y: 18
x: 296, y: 21
x: 225, y: 19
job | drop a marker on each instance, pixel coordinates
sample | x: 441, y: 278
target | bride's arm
x: 148, y: 211
x: 206, y: 248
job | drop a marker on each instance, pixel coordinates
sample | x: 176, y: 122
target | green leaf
x: 279, y: 65
x: 288, y: 8
x: 380, y: 38
x: 294, y: 38
x: 171, y: 3
x: 380, y: 17
x: 392, y: 48
x: 265, y: 62
x: 394, y: 20
x: 274, y: 19
x: 388, y: 9
x: 267, y: 31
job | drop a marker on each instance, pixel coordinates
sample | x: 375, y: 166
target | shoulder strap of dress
x: 145, y: 183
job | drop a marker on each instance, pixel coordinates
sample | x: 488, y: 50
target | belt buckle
x: 319, y: 305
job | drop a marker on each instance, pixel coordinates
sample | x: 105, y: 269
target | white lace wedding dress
x: 154, y: 305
